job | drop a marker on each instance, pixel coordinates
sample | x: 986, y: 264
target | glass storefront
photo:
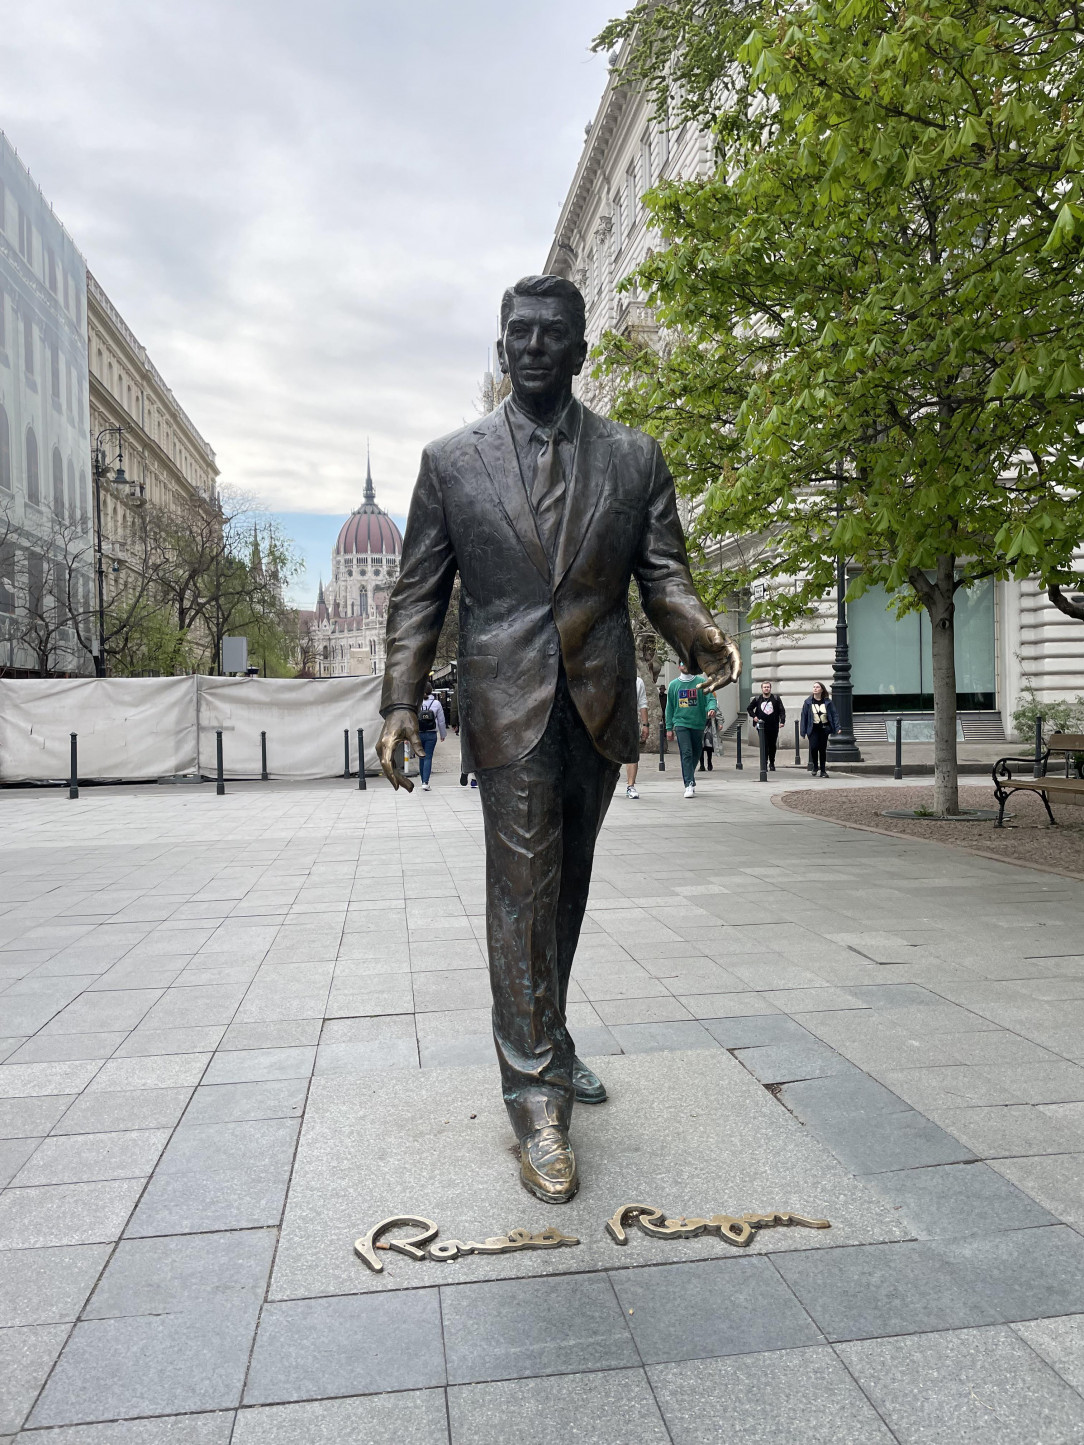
x: 891, y: 659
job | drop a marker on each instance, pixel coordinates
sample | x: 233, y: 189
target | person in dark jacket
x: 769, y: 715
x: 819, y: 722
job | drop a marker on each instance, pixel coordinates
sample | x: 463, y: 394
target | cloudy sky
x: 307, y: 213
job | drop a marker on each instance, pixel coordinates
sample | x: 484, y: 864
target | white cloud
x: 307, y: 214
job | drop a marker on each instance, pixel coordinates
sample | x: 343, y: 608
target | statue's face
x: 541, y: 349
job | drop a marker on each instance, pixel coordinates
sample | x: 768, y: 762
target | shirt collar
x: 568, y: 423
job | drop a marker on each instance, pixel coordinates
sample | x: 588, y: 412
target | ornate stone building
x: 166, y: 460
x: 346, y: 633
x: 1008, y: 634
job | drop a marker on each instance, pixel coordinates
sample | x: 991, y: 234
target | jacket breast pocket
x: 478, y: 667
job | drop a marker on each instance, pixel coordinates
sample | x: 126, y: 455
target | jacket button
x: 552, y: 649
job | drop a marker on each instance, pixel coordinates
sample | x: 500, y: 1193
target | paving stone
x: 151, y: 1365
x: 766, y: 1399
x: 30, y: 1118
x: 726, y: 1005
x: 896, y: 1289
x: 353, y: 1058
x: 509, y: 1329
x: 828, y: 1100
x: 641, y: 1011
x: 73, y: 1158
x: 93, y: 1012
x: 184, y: 1272
x: 229, y: 1103
x: 350, y: 1345
x: 26, y: 1357
x: 60, y: 1048
x: 751, y: 1031
x: 415, y: 1417
x: 247, y: 1066
x: 13, y: 1155
x: 978, y: 1387
x: 284, y: 1033
x: 1056, y: 1180
x: 20, y: 1081
x: 1061, y: 1344
x: 457, y: 1053
x: 160, y: 1071
x: 104, y: 1113
x: 1008, y: 1130
x: 952, y: 1199
x: 649, y: 1038
x: 713, y: 1307
x: 47, y: 1286
x: 236, y: 1145
x: 66, y: 1213
x: 609, y: 1407
x: 145, y: 1041
x: 383, y: 1028
x: 210, y: 1429
x: 888, y: 1140
x: 784, y: 1063
x: 198, y: 1201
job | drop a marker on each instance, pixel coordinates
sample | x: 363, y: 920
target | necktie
x: 548, y: 490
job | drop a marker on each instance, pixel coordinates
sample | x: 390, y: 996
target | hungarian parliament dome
x: 346, y: 633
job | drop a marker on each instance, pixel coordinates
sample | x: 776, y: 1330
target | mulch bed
x: 1028, y: 838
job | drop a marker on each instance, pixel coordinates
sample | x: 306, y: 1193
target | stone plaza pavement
x: 240, y: 1030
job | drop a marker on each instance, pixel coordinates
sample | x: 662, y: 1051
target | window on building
x: 3, y: 208
x: 619, y: 225
x: 3, y: 321
x: 54, y: 370
x: 109, y: 376
x: 631, y: 196
x: 58, y: 483
x: 28, y: 345
x: 26, y: 237
x: 7, y: 576
x: 664, y: 136
x: 83, y: 508
x: 67, y: 291
x: 72, y: 510
x: 33, y: 479
x: 50, y: 268
x: 101, y: 361
x: 69, y: 376
x: 130, y: 400
x: 5, y: 451
x: 35, y: 584
x: 646, y: 173
x: 62, y: 613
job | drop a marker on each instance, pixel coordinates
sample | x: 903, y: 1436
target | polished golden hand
x: 717, y: 657
x: 400, y: 726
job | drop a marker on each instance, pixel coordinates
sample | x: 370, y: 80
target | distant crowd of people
x: 692, y: 720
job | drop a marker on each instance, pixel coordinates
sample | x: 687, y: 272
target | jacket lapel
x: 498, y: 454
x: 593, y: 455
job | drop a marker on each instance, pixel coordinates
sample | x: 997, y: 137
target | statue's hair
x: 557, y: 286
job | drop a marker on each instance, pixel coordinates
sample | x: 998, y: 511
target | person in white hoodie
x: 431, y: 726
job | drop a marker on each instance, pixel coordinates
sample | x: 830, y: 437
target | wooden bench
x: 1006, y: 783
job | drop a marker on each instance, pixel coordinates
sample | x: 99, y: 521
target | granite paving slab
x: 688, y: 1132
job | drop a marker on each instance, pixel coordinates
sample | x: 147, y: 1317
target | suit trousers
x: 542, y: 815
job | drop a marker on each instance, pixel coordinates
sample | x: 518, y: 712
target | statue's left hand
x: 717, y: 657
x: 400, y: 726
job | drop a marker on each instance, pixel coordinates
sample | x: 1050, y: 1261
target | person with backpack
x: 431, y: 726
x: 819, y: 722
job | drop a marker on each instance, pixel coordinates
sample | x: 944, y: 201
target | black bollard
x: 662, y: 747
x: 263, y: 757
x: 737, y: 754
x: 797, y: 744
x: 73, y: 775
x: 361, y: 760
x: 346, y: 752
x: 220, y: 785
x: 1038, y: 747
x: 763, y: 740
x: 898, y: 772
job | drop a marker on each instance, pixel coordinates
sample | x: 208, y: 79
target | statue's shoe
x: 588, y: 1087
x: 547, y: 1165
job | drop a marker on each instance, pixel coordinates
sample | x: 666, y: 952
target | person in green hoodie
x: 687, y: 709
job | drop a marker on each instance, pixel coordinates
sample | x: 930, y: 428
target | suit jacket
x: 518, y: 616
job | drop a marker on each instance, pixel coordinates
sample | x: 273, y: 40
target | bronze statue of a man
x: 545, y: 510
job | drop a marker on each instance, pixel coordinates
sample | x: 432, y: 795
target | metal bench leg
x: 1002, y: 799
x: 1049, y: 814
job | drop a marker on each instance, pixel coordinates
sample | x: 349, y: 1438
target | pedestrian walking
x: 819, y: 722
x: 631, y: 769
x: 687, y: 711
x: 431, y: 726
x: 707, y: 744
x: 769, y: 715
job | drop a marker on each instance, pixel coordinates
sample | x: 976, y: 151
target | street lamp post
x: 100, y: 468
x: 842, y: 747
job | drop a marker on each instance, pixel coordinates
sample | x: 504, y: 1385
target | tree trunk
x: 937, y: 595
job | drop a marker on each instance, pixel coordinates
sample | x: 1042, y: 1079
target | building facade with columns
x: 1009, y: 637
x: 346, y: 634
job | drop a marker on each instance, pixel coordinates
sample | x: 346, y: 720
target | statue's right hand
x: 400, y: 726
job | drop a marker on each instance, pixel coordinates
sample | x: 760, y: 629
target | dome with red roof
x: 369, y: 530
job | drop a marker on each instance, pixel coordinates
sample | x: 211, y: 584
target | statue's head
x: 542, y: 344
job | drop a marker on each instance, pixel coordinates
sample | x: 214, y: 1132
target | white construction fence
x: 145, y: 728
